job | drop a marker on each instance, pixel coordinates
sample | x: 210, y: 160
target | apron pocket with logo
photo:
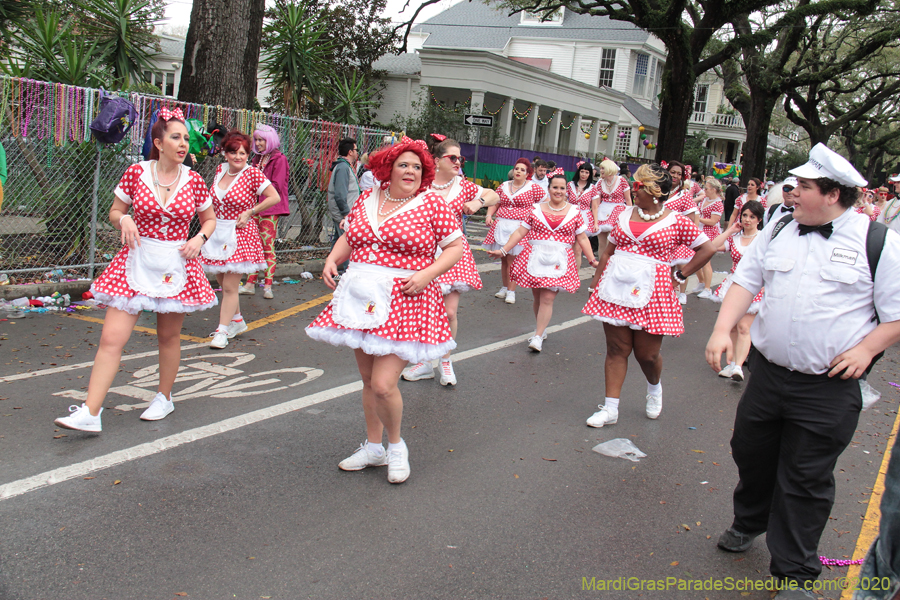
x: 156, y: 268
x: 362, y: 301
x: 628, y: 281
x: 547, y: 261
x: 223, y: 242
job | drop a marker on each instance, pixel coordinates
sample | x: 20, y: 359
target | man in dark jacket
x: 343, y: 188
x: 732, y: 193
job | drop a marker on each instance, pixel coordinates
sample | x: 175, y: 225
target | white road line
x: 48, y: 478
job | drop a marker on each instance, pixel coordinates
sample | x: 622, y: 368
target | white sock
x: 612, y: 404
x: 654, y: 390
x: 376, y: 449
x: 732, y: 364
x: 446, y: 360
x: 237, y: 318
x: 398, y: 446
x: 222, y: 327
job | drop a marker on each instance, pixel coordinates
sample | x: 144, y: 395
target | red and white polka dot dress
x: 614, y: 197
x: 463, y: 276
x: 737, y: 252
x: 171, y: 223
x: 417, y: 329
x: 862, y: 210
x: 583, y: 202
x: 662, y: 314
x: 743, y: 198
x: 682, y: 202
x: 241, y: 195
x: 707, y: 211
x: 512, y: 209
x: 541, y: 229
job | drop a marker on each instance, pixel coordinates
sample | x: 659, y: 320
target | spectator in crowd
x: 343, y: 189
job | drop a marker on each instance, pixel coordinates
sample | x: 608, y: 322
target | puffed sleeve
x: 258, y: 181
x: 359, y: 207
x: 528, y: 222
x: 717, y: 208
x: 125, y: 190
x: 444, y: 223
x: 687, y: 233
x: 580, y: 226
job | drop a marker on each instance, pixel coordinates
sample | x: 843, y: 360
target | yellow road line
x: 250, y: 326
x: 869, y: 530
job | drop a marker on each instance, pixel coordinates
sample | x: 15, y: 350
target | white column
x: 740, y: 148
x: 531, y: 127
x: 574, y: 134
x: 592, y: 143
x: 635, y: 147
x: 477, y: 105
x: 555, y: 122
x: 506, y: 116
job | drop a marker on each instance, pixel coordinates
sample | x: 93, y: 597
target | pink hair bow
x: 578, y: 164
x: 559, y: 170
x: 165, y: 114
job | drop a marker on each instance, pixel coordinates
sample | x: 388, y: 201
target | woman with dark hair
x: 635, y: 297
x: 236, y: 247
x: 388, y: 306
x: 754, y: 186
x: 463, y: 198
x: 580, y: 193
x: 737, y: 239
x: 517, y: 197
x: 681, y: 200
x: 156, y: 270
x: 547, y: 264
x: 274, y: 165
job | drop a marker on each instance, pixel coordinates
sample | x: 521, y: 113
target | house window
x: 640, y: 75
x: 607, y: 67
x: 556, y: 18
x: 659, y: 72
x: 701, y: 95
x: 623, y: 144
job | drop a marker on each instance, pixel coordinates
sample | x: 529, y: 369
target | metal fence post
x: 92, y: 252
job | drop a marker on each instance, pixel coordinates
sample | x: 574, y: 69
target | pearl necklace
x: 647, y: 217
x: 560, y: 209
x: 444, y: 186
x: 387, y: 197
x: 747, y: 237
x: 156, y: 182
x: 234, y: 174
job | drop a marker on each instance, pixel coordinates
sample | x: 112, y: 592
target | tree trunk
x: 221, y: 53
x: 757, y: 121
x: 676, y: 107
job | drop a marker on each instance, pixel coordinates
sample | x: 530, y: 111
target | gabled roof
x: 648, y: 117
x: 478, y: 25
x: 407, y: 63
x: 170, y: 47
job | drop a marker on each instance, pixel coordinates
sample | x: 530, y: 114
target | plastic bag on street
x: 620, y: 448
x: 869, y: 394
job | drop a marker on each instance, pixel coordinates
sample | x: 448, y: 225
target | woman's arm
x: 339, y: 254
x: 120, y: 219
x: 712, y: 220
x: 719, y: 242
x: 517, y: 235
x: 628, y: 201
x: 418, y: 281
x: 601, y: 264
x: 191, y: 248
x: 582, y: 240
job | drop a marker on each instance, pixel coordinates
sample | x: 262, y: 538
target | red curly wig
x: 528, y: 167
x: 234, y: 139
x: 381, y: 163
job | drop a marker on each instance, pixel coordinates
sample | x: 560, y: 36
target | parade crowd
x: 811, y: 301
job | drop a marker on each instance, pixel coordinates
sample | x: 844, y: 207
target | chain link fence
x: 60, y: 181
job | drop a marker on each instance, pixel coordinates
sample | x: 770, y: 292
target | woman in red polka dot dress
x: 547, y: 264
x: 388, y: 306
x: 517, y: 197
x: 681, y: 200
x: 711, y: 209
x: 635, y: 297
x: 236, y: 246
x: 581, y: 192
x: 463, y: 198
x: 156, y: 270
x: 611, y: 196
x: 754, y: 186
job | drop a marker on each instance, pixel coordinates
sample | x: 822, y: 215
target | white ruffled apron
x: 548, y: 259
x: 504, y: 229
x: 630, y: 279
x: 362, y: 299
x: 605, y: 209
x: 156, y: 268
x: 223, y: 242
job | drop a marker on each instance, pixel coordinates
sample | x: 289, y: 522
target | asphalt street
x: 237, y: 493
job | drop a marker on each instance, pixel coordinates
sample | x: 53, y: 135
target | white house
x: 561, y: 85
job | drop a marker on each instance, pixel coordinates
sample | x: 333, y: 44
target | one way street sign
x: 480, y: 120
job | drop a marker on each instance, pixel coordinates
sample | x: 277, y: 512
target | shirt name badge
x: 848, y: 257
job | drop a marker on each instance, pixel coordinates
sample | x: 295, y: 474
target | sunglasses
x: 636, y: 185
x: 453, y: 158
x: 787, y: 188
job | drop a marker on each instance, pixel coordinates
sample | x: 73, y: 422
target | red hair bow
x: 559, y: 170
x: 664, y: 165
x: 578, y: 164
x: 438, y: 137
x: 165, y: 114
x: 420, y: 143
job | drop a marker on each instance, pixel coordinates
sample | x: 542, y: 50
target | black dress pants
x: 789, y: 430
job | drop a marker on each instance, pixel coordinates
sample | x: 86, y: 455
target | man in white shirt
x: 816, y: 334
x: 776, y: 211
x: 540, y: 174
x: 890, y: 212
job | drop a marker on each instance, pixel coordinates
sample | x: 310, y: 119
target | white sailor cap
x: 895, y: 178
x: 825, y: 162
x: 791, y: 181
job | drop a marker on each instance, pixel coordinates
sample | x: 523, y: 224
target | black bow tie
x: 826, y: 229
x: 787, y: 208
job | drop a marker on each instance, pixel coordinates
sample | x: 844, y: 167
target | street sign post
x: 478, y: 121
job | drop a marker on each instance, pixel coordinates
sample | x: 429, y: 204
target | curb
x: 76, y: 288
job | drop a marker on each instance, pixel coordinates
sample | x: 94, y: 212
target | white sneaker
x: 543, y: 337
x: 501, y: 293
x: 738, y: 373
x: 726, y: 372
x: 159, y: 408
x: 267, y: 293
x: 604, y: 416
x: 81, y: 419
x: 398, y: 464
x: 706, y: 294
x: 698, y: 288
x: 418, y: 371
x: 654, y: 406
x: 236, y: 328
x: 682, y: 298
x: 219, y: 338
x: 448, y: 377
x: 510, y: 297
x: 247, y: 290
x: 536, y: 343
x: 362, y: 458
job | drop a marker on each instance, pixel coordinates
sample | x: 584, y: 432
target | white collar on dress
x: 665, y: 221
x: 570, y: 214
x: 374, y: 199
x: 147, y: 179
